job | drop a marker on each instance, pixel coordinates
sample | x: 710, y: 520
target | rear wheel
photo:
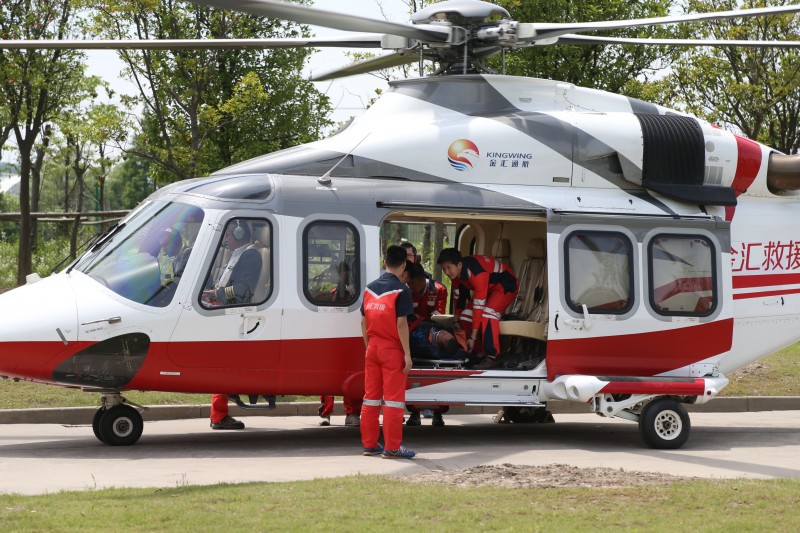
x: 96, y: 423
x: 664, y: 424
x: 121, y: 425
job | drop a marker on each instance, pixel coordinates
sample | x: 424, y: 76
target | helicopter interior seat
x: 501, y: 251
x: 529, y: 309
x: 261, y: 244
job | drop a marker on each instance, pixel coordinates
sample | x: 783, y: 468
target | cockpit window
x: 241, y: 271
x: 145, y: 260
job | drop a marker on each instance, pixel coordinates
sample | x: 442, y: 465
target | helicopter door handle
x: 578, y: 323
x: 112, y: 320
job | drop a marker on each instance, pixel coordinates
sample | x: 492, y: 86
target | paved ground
x: 38, y: 458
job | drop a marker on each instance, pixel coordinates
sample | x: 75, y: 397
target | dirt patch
x: 547, y: 476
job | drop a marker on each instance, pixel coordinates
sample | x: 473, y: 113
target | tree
x: 129, y: 183
x: 205, y: 109
x: 34, y: 86
x: 752, y: 90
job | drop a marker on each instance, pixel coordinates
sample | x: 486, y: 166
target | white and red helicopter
x: 657, y: 253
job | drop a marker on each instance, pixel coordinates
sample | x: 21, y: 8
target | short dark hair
x: 449, y: 255
x: 408, y: 245
x: 395, y: 256
x: 415, y: 271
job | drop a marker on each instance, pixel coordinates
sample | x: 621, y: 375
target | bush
x: 48, y: 254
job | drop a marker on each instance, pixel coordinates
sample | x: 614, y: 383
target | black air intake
x: 673, y: 152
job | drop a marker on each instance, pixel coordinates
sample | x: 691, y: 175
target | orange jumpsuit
x: 385, y: 300
x: 494, y: 288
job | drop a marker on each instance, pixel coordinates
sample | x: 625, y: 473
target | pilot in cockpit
x: 236, y: 283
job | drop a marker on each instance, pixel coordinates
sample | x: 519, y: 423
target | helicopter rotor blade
x: 368, y: 65
x: 354, y: 41
x: 542, y: 31
x: 330, y: 19
x: 590, y: 39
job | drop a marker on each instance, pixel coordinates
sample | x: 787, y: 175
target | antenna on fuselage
x: 325, y: 179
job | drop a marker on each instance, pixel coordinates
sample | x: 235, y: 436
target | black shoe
x: 227, y: 423
x: 438, y: 420
x: 413, y: 419
x: 487, y: 364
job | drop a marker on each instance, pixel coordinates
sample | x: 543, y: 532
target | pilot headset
x: 238, y: 231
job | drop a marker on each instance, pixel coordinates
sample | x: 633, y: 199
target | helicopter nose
x: 37, y: 321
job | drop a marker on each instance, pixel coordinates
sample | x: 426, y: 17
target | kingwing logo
x: 463, y: 154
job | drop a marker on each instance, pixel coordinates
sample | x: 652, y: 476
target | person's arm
x: 402, y: 332
x: 364, y: 330
x: 441, y: 299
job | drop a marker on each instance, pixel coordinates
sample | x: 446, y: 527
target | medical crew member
x: 428, y: 296
x: 384, y: 325
x: 493, y: 287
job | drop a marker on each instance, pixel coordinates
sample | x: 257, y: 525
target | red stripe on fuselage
x: 696, y: 387
x: 641, y: 354
x: 748, y: 164
x: 765, y: 280
x: 764, y: 294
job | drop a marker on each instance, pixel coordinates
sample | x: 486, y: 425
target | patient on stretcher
x: 432, y: 341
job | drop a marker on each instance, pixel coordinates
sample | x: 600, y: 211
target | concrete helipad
x: 39, y: 458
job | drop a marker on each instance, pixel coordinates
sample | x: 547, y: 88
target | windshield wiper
x: 95, y: 242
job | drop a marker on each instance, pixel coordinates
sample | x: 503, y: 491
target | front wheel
x: 664, y: 424
x: 96, y: 423
x: 120, y: 425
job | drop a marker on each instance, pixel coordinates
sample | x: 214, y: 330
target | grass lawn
x: 375, y: 503
x: 776, y: 375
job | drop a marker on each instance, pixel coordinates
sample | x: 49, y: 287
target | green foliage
x: 750, y: 90
x: 611, y: 68
x: 129, y: 183
x: 206, y: 109
x: 49, y: 253
x: 363, y: 503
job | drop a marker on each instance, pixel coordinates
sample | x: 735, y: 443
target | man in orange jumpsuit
x: 352, y: 410
x: 493, y: 287
x: 219, y: 414
x: 384, y: 325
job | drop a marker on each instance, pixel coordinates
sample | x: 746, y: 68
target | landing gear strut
x: 116, y: 423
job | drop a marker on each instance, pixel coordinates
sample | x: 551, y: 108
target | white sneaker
x: 326, y: 421
x: 352, y: 420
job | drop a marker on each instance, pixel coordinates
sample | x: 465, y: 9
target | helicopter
x: 655, y: 251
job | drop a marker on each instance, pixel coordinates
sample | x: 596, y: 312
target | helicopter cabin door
x: 232, y: 321
x: 638, y: 296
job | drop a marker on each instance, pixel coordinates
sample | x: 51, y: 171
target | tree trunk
x: 426, y: 246
x: 24, y: 260
x: 438, y: 244
x: 36, y: 185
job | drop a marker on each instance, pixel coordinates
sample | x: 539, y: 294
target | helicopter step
x: 253, y: 404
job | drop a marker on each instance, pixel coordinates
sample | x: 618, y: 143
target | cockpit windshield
x: 144, y: 260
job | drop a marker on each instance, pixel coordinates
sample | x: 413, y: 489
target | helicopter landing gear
x: 664, y: 424
x: 523, y: 415
x: 115, y: 423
